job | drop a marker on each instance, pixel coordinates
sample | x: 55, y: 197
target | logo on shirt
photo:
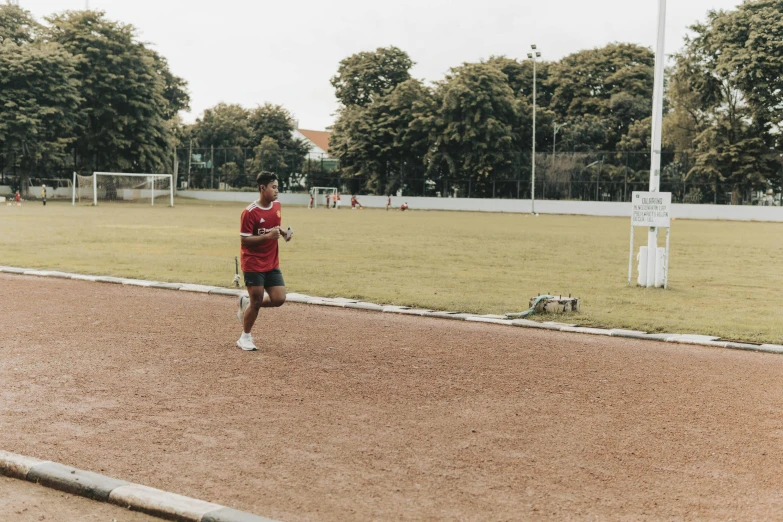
x: 262, y: 220
x: 278, y: 214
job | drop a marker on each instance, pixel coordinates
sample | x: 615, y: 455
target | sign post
x: 653, y: 210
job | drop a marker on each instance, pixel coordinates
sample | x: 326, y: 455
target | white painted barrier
x: 518, y: 206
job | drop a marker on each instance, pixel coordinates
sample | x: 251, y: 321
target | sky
x: 256, y: 51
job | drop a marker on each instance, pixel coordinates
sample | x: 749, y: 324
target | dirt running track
x: 348, y: 415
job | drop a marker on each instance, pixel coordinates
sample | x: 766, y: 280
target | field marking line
x: 341, y: 302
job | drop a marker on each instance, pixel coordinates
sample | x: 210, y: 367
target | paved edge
x: 136, y: 497
x: 695, y: 339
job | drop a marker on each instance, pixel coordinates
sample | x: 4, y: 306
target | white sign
x: 651, y: 209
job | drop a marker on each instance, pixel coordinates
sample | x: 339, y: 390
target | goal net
x: 319, y: 195
x: 123, y: 187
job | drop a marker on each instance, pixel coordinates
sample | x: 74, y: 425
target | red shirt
x: 257, y: 221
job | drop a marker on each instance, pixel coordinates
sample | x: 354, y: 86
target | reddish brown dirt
x: 349, y: 415
x: 22, y: 501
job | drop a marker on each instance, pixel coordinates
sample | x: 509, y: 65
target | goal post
x: 319, y: 194
x: 122, y: 187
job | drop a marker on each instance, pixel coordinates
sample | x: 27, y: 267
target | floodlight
x: 533, y: 47
x: 529, y: 55
x: 538, y: 55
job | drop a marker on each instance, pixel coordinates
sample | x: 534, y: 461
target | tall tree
x: 728, y: 88
x: 613, y: 83
x: 385, y: 142
x: 17, y: 25
x: 364, y: 76
x: 39, y: 101
x: 473, y: 129
x: 125, y: 107
x: 276, y: 122
x: 223, y: 126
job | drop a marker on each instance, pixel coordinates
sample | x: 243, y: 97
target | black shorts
x: 265, y: 279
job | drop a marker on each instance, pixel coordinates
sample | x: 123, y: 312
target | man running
x: 43, y: 194
x: 388, y: 203
x: 260, y: 230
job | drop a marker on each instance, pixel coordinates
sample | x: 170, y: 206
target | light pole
x: 535, y: 54
x: 657, y: 124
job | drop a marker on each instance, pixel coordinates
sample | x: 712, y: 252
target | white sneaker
x: 244, y: 302
x: 245, y: 343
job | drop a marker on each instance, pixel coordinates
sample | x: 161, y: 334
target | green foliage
x: 386, y: 138
x: 124, y: 89
x: 364, y: 76
x: 613, y: 84
x: 473, y: 128
x: 727, y: 94
x: 224, y: 125
x: 17, y: 25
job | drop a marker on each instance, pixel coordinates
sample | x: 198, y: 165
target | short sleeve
x: 246, y: 226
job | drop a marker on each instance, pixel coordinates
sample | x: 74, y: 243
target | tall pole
x: 533, y: 177
x: 535, y: 54
x: 657, y: 124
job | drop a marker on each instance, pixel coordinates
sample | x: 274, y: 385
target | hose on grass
x: 531, y: 311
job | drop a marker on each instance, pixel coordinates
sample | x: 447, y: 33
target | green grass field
x: 725, y: 277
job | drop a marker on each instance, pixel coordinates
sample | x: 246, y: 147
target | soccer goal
x: 123, y: 187
x: 319, y: 195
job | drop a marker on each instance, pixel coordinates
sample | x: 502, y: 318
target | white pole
x: 73, y: 191
x: 95, y: 189
x: 153, y: 190
x: 171, y: 190
x: 630, y: 259
x: 657, y: 124
x: 533, y: 176
x: 666, y: 260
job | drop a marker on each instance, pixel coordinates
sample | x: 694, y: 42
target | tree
x: 387, y: 141
x: 267, y: 156
x: 17, y: 25
x: 276, y: 122
x: 364, y: 76
x: 39, y: 101
x: 728, y: 94
x: 223, y: 126
x: 613, y: 83
x: 125, y: 106
x: 473, y: 128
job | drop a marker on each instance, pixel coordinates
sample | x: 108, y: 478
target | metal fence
x: 589, y: 176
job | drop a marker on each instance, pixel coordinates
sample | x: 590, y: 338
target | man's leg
x: 257, y: 298
x: 275, y: 296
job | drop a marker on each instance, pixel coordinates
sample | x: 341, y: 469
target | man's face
x: 269, y: 191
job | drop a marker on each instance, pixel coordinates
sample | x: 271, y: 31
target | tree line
x: 80, y: 91
x: 721, y: 125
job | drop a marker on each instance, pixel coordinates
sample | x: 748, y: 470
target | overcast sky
x: 255, y: 51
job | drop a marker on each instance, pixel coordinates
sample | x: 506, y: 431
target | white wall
x: 583, y: 208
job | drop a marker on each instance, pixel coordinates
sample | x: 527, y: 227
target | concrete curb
x: 694, y: 339
x: 136, y: 497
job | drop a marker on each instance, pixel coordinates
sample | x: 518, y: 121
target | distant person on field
x: 354, y: 202
x: 260, y: 230
x: 337, y: 201
x: 388, y: 203
x: 328, y: 199
x: 18, y: 199
x: 404, y: 206
x: 43, y: 194
x: 312, y: 201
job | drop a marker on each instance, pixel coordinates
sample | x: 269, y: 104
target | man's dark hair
x: 265, y: 178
